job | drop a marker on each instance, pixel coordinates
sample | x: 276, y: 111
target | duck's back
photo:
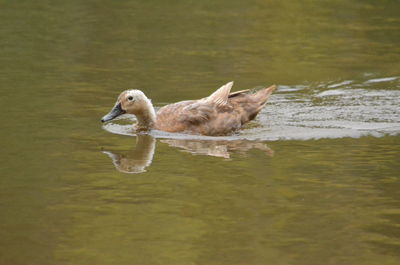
x: 219, y: 114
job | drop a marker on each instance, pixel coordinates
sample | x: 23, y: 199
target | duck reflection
x: 217, y: 148
x: 137, y: 160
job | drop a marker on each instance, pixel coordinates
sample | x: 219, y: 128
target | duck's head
x: 130, y: 101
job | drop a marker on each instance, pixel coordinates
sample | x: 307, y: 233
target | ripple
x: 344, y: 83
x: 383, y: 79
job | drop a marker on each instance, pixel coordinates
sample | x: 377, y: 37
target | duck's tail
x: 257, y: 102
x: 262, y: 95
x: 250, y: 102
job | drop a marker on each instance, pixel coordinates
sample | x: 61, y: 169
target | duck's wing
x: 220, y: 96
x: 197, y: 112
x: 236, y: 93
x: 202, y: 110
x: 183, y: 115
x: 213, y: 115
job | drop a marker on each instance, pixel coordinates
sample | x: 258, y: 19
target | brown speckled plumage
x: 207, y: 118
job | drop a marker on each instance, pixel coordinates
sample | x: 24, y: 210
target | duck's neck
x: 147, y: 117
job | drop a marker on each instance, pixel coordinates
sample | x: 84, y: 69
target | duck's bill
x: 115, y: 112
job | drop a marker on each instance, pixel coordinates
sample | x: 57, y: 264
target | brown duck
x: 220, y: 113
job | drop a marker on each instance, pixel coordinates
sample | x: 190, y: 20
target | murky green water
x: 314, y: 180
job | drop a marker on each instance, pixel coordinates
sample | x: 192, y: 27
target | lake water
x: 315, y: 179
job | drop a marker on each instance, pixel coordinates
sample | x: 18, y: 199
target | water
x: 313, y: 180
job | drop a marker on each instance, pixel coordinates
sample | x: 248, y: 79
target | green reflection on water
x: 312, y: 202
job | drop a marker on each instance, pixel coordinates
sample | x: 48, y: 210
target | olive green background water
x: 331, y: 198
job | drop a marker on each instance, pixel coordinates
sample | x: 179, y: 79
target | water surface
x: 313, y: 180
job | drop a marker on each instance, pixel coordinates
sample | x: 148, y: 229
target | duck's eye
x: 130, y: 98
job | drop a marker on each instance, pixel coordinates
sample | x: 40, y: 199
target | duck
x: 222, y: 113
